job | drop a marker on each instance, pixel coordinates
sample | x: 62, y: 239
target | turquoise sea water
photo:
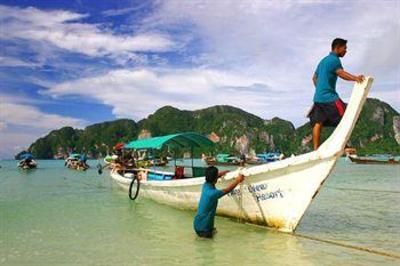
x: 57, y: 216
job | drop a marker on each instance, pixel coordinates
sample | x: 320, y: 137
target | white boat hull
x: 276, y: 198
x: 276, y: 194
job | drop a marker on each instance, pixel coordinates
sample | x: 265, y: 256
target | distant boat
x: 223, y: 159
x: 373, y: 160
x: 27, y: 161
x: 263, y: 158
x: 110, y: 158
x: 74, y: 162
x: 350, y: 151
x: 276, y: 194
x: 269, y: 156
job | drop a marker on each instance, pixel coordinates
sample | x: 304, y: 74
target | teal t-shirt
x: 325, y: 90
x: 204, y: 220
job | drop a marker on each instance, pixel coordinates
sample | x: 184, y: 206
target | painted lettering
x: 270, y: 195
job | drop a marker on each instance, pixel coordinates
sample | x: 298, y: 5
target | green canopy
x: 189, y: 139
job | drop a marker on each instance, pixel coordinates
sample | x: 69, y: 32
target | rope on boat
x: 241, y: 202
x: 365, y: 189
x: 238, y: 200
x: 137, y: 188
x: 369, y: 250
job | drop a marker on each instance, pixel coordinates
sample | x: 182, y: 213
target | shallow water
x: 54, y: 215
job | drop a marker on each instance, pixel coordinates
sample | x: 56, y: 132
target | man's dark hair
x: 338, y: 42
x: 211, y: 174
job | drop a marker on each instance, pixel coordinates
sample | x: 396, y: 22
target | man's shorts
x: 328, y: 114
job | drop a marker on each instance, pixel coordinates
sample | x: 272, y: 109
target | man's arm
x: 314, y: 80
x: 237, y: 181
x: 347, y: 76
x: 223, y: 173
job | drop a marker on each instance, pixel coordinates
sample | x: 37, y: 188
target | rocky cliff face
x: 396, y: 128
x: 376, y: 128
x: 378, y: 116
x: 144, y: 134
x: 214, y: 137
x: 242, y: 144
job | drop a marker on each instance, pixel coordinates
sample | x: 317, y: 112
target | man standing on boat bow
x: 204, y: 220
x: 328, y: 108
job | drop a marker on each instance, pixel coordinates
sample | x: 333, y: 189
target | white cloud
x: 17, y: 111
x: 12, y: 142
x: 126, y: 10
x: 393, y: 97
x: 277, y: 28
x: 257, y: 55
x: 276, y: 44
x: 21, y: 123
x: 25, y: 115
x: 15, y: 62
x: 61, y: 29
x: 136, y: 93
x: 3, y: 126
x: 284, y: 40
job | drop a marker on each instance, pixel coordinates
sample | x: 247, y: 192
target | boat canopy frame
x: 174, y: 141
x: 179, y: 140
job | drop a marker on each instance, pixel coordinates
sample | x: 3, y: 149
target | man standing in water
x: 204, y: 220
x: 328, y: 108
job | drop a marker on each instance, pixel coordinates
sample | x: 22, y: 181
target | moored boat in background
x: 223, y: 159
x: 373, y: 159
x: 76, y: 161
x: 263, y: 158
x: 27, y: 161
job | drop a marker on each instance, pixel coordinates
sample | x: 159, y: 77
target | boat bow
x: 276, y: 194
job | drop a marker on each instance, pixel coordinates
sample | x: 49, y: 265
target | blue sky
x: 80, y: 62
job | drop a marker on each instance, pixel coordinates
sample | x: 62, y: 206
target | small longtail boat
x: 263, y: 158
x: 223, y: 159
x: 368, y: 160
x: 276, y: 194
x: 74, y: 162
x: 27, y: 161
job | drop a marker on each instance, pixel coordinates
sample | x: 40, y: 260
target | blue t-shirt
x: 325, y: 90
x: 204, y: 220
x: 83, y: 158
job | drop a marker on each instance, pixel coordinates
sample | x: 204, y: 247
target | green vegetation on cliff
x: 55, y: 141
x: 94, y: 140
x: 233, y: 130
x: 374, y: 132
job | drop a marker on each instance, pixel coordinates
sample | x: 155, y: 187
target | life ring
x: 137, y: 188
